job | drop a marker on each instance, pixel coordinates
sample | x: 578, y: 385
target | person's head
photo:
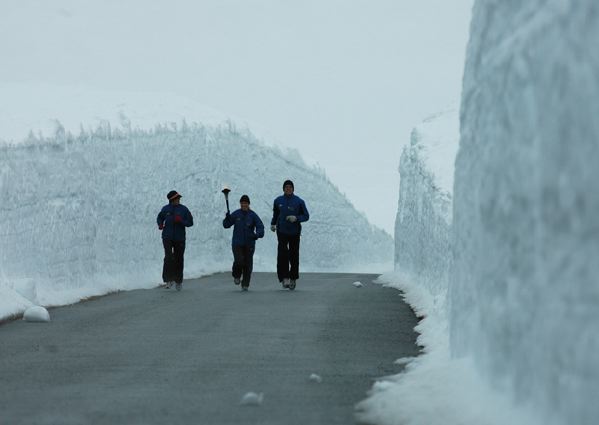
x: 173, y: 197
x: 244, y: 203
x: 288, y: 187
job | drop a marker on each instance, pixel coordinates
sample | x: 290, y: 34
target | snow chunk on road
x: 357, y: 284
x: 404, y: 360
x: 36, y: 314
x: 315, y: 378
x: 252, y: 399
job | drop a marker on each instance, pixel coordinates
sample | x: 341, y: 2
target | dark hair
x: 288, y: 183
x: 244, y: 198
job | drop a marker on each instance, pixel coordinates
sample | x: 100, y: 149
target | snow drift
x: 80, y: 211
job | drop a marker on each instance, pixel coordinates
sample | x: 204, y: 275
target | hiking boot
x: 244, y: 288
x: 292, y: 284
x: 179, y: 286
x: 285, y: 283
x: 236, y: 281
x: 167, y: 285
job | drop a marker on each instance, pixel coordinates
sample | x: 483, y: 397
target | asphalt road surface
x: 164, y: 357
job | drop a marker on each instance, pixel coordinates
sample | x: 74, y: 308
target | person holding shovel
x: 247, y: 228
x: 289, y: 211
x: 172, y: 221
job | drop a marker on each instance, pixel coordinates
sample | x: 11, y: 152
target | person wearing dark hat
x: 172, y: 221
x: 289, y: 211
x: 247, y: 228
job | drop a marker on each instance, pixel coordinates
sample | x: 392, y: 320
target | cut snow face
x: 525, y: 285
x: 79, y: 186
x: 437, y: 140
x: 424, y: 212
x: 523, y: 233
x: 36, y: 314
x: 252, y: 399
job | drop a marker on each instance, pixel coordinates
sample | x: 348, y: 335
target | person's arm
x: 275, y: 214
x: 188, y: 221
x: 228, y: 221
x: 160, y: 219
x: 304, y: 215
x: 259, y: 227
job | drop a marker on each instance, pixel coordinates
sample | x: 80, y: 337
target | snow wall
x: 525, y: 284
x: 80, y: 212
x: 517, y: 340
x: 431, y: 389
x: 423, y: 222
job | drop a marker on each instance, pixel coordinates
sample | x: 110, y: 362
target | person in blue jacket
x: 172, y: 220
x: 247, y: 228
x: 288, y: 212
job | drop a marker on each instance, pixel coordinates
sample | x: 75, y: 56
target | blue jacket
x: 248, y: 227
x: 174, y: 231
x: 285, y: 206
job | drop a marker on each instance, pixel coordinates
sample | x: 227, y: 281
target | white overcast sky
x: 342, y: 81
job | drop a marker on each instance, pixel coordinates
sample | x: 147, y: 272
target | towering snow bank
x: 79, y: 213
x: 523, y: 284
x: 432, y: 384
x: 525, y: 289
x: 423, y: 222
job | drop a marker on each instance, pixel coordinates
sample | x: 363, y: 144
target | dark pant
x: 243, y: 263
x: 288, y: 256
x: 172, y: 269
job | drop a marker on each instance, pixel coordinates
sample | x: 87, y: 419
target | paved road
x: 164, y: 357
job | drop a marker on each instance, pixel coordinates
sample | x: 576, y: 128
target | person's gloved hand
x: 273, y: 228
x: 161, y: 226
x: 178, y: 219
x: 291, y: 218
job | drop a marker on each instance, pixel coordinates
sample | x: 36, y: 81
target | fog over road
x: 165, y: 357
